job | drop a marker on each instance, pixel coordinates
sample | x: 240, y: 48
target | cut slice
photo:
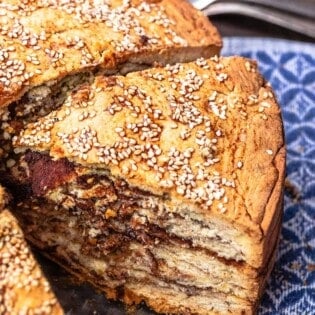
x: 23, y: 288
x: 169, y: 182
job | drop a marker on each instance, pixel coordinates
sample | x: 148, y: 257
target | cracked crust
x: 233, y: 134
x: 23, y: 287
x: 43, y: 41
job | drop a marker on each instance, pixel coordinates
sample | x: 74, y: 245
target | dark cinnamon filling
x: 108, y: 206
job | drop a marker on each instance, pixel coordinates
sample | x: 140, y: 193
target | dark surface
x: 81, y: 299
x: 236, y: 25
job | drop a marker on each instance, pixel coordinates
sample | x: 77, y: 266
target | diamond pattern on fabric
x: 290, y: 68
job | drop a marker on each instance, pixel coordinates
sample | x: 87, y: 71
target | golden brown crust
x: 43, y: 41
x: 207, y: 134
x: 272, y: 219
x: 23, y: 288
x: 266, y: 210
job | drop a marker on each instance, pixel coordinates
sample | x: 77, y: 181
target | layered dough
x: 168, y: 276
x: 164, y: 185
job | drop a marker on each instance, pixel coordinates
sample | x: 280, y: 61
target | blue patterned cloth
x: 290, y: 68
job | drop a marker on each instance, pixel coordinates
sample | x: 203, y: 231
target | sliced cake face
x: 23, y: 288
x: 128, y: 261
x: 46, y: 40
x: 195, y: 140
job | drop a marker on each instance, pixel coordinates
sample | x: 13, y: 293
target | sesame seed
x: 248, y: 66
x: 221, y: 77
x: 265, y: 104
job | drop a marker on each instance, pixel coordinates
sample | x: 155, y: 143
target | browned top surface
x: 23, y: 288
x: 47, y: 39
x: 205, y: 133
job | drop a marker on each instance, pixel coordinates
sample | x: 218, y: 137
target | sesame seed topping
x: 146, y: 124
x: 221, y: 77
x: 218, y: 110
x: 265, y: 104
x: 248, y: 66
x: 19, y: 271
x: 126, y: 20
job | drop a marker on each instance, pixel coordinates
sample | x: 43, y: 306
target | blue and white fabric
x: 290, y: 68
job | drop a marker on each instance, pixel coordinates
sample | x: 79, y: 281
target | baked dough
x: 46, y: 40
x: 164, y: 185
x: 167, y: 181
x: 23, y: 288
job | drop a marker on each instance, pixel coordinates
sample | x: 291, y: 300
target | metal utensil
x: 298, y: 16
